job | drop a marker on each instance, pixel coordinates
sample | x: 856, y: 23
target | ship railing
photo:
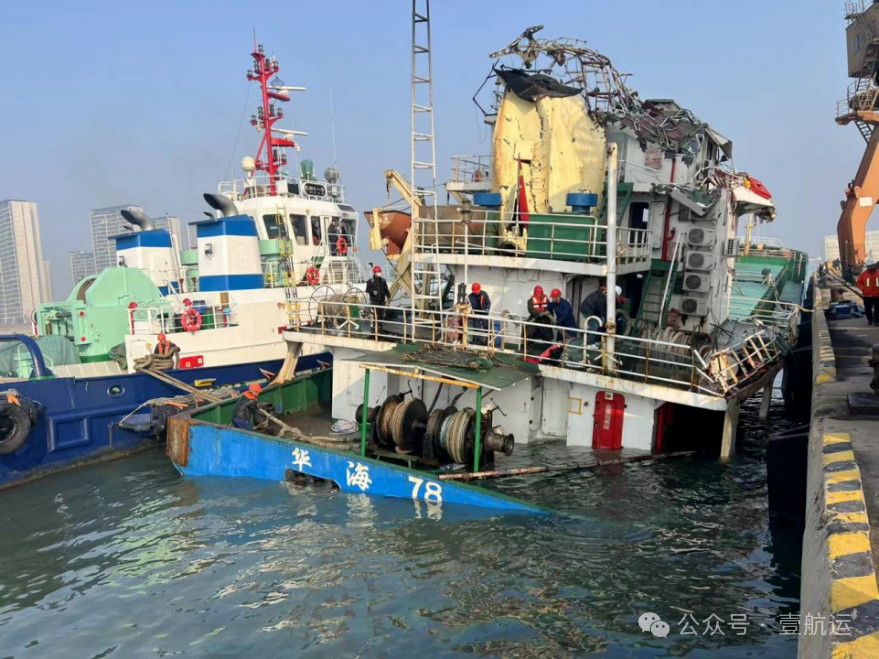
x: 259, y: 186
x: 150, y: 320
x: 334, y: 271
x: 473, y: 169
x: 562, y: 236
x: 765, y: 312
x: 766, y: 243
x: 650, y: 361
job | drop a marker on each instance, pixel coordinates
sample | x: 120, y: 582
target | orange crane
x: 860, y: 107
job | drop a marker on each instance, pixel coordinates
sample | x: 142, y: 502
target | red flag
x: 522, y: 201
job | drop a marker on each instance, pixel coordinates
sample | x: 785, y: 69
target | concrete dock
x: 841, y: 538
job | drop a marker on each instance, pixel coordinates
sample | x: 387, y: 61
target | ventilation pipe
x: 221, y: 203
x: 139, y: 219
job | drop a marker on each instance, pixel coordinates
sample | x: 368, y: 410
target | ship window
x: 316, y: 233
x: 273, y: 230
x: 348, y: 227
x: 300, y: 234
x: 293, y: 188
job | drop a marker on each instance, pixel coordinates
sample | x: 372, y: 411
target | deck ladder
x: 426, y: 268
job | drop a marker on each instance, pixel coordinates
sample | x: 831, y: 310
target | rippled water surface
x: 128, y: 559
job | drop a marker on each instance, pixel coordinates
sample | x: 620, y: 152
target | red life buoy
x: 312, y: 276
x: 191, y: 320
x: 342, y: 245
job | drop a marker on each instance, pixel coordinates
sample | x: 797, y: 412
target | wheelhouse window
x: 316, y: 233
x: 348, y: 228
x: 300, y: 231
x: 273, y: 230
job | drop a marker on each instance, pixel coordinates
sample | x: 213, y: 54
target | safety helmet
x: 870, y: 262
x: 555, y: 293
x: 377, y: 270
x: 619, y: 290
x: 162, y: 336
x: 476, y: 288
x: 255, y: 388
x: 538, y: 290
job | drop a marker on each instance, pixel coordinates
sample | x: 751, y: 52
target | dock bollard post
x: 364, y: 419
x: 477, y: 448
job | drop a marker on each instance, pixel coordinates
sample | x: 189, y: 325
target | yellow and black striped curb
x: 823, y: 358
x: 853, y: 590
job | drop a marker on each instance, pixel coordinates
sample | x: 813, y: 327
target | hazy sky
x: 108, y: 103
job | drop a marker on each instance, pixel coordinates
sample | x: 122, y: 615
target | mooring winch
x: 441, y: 437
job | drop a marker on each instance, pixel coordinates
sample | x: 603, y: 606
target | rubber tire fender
x: 22, y: 423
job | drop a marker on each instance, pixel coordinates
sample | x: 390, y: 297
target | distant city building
x: 106, y: 222
x: 172, y: 225
x: 82, y: 265
x: 831, y: 246
x: 25, y: 280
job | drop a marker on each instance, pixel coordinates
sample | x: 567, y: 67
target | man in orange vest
x: 244, y: 414
x: 168, y: 348
x: 868, y: 282
x: 538, y: 305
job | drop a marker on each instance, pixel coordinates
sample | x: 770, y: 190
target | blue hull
x: 221, y: 451
x: 81, y: 418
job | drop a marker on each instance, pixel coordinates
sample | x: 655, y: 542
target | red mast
x: 263, y: 69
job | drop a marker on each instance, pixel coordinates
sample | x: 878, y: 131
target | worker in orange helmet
x: 481, y: 305
x: 244, y: 414
x: 563, y: 312
x: 168, y: 348
x: 868, y: 282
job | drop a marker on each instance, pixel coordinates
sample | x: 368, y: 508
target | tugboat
x: 76, y: 392
x: 592, y: 200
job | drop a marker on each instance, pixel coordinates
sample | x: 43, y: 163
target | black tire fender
x: 17, y: 423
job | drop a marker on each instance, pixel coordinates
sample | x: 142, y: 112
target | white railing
x: 471, y: 169
x: 150, y: 321
x: 566, y: 237
x: 655, y: 361
x: 258, y: 186
x: 772, y: 313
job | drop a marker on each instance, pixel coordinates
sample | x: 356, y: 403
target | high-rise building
x: 24, y: 273
x: 106, y: 222
x: 831, y: 246
x: 82, y: 265
x: 172, y: 225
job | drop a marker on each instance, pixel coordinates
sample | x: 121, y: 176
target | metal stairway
x: 656, y: 298
x: 426, y: 269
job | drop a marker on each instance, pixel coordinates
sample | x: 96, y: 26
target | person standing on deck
x: 868, y: 282
x: 167, y: 348
x: 595, y: 304
x: 538, y: 305
x: 334, y: 232
x: 244, y: 414
x: 563, y: 312
x: 481, y: 305
x: 379, y: 295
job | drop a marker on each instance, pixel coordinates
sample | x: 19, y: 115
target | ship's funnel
x: 139, y: 219
x: 221, y: 203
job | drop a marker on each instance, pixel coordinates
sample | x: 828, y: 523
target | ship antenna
x: 274, y: 146
x: 333, y: 129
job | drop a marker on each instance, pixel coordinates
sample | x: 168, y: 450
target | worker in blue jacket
x: 481, y: 305
x: 563, y: 312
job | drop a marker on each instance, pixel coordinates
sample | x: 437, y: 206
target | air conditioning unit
x: 700, y: 261
x: 696, y: 282
x: 691, y: 306
x: 698, y: 237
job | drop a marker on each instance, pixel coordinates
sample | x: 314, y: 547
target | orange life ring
x: 191, y: 320
x: 312, y: 276
x: 342, y: 246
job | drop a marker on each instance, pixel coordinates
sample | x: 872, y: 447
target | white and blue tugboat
x: 273, y: 244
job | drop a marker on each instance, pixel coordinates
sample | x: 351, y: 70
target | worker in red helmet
x: 538, y: 305
x: 167, y: 348
x: 244, y: 414
x: 379, y: 296
x: 563, y: 312
x: 481, y: 305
